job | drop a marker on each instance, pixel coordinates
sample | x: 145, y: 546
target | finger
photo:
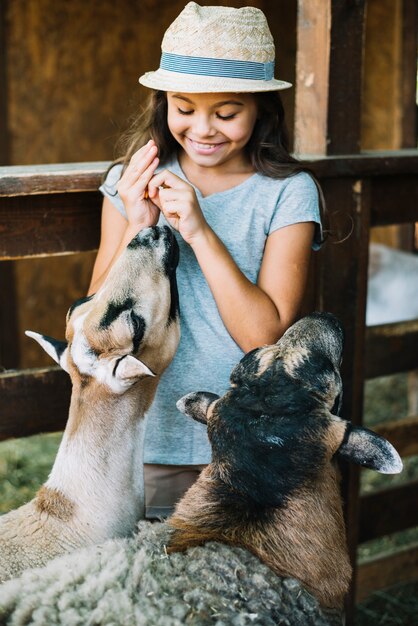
x: 142, y: 152
x: 137, y: 165
x: 168, y: 179
x: 143, y: 149
x: 172, y: 210
x: 168, y: 193
x: 139, y: 186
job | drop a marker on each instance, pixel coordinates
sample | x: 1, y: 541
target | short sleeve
x: 108, y: 188
x: 298, y: 202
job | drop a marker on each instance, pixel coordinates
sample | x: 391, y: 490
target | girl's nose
x: 202, y: 126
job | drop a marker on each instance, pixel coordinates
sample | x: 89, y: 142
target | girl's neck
x: 213, y: 179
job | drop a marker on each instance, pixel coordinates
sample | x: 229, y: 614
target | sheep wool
x: 133, y: 582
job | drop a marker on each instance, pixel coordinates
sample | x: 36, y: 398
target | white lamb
x: 95, y: 489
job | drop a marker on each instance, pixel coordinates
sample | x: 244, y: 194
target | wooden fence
x: 52, y: 210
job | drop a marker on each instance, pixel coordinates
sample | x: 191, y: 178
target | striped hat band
x: 227, y: 68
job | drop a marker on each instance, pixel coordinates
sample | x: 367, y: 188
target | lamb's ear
x: 58, y: 350
x: 131, y: 369
x: 368, y: 449
x: 196, y: 404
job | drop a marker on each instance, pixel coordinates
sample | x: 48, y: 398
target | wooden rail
x: 385, y: 570
x: 50, y: 210
x: 389, y: 348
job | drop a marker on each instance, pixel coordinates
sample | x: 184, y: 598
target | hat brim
x: 164, y: 80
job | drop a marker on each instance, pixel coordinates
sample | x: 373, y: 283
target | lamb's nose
x: 146, y: 237
x: 151, y: 234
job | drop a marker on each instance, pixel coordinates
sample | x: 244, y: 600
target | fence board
x: 371, y: 163
x: 73, y: 177
x: 329, y: 75
x: 403, y: 434
x: 394, y: 200
x: 383, y: 571
x: 33, y: 401
x: 377, y: 511
x: 41, y: 225
x: 351, y: 198
x: 24, y: 180
x: 391, y: 348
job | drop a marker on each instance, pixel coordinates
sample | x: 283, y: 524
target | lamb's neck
x: 305, y: 538
x: 99, y: 465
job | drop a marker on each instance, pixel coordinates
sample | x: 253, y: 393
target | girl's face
x: 213, y: 128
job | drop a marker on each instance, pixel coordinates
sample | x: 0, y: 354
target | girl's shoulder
x: 112, y: 176
x: 109, y: 187
x: 300, y: 182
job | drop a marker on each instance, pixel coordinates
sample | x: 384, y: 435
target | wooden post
x: 4, y: 130
x: 9, y: 345
x: 389, y: 112
x: 329, y: 72
x: 328, y: 76
x: 343, y: 289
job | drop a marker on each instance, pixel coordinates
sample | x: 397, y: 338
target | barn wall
x: 71, y: 76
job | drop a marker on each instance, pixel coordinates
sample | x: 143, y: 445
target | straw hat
x: 216, y: 49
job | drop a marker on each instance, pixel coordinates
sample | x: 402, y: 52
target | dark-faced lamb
x: 95, y: 489
x: 259, y: 539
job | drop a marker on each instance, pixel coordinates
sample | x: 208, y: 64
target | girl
x: 210, y: 158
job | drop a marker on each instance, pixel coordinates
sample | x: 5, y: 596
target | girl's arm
x: 116, y: 231
x: 114, y: 237
x: 253, y: 314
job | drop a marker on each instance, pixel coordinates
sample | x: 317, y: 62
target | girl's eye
x: 184, y: 112
x: 226, y: 117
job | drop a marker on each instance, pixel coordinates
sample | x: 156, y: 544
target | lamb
x: 273, y: 485
x: 95, y: 489
x: 259, y: 539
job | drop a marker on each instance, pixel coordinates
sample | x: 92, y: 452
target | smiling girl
x: 210, y: 158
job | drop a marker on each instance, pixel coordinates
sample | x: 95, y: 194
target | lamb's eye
x: 138, y: 326
x: 135, y: 321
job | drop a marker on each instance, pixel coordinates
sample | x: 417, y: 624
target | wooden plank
x: 312, y: 68
x: 408, y: 74
x: 387, y: 511
x: 9, y: 343
x: 78, y: 177
x: 52, y: 224
x: 376, y: 163
x: 33, y: 401
x: 328, y: 76
x: 4, y: 118
x: 343, y: 292
x: 24, y: 180
x: 345, y: 76
x: 381, y: 104
x: 394, y: 200
x: 391, y: 348
x: 403, y: 434
x: 383, y: 571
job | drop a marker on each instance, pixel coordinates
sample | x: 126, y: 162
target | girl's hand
x: 133, y: 186
x: 177, y: 201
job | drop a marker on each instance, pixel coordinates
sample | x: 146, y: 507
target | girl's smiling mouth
x: 204, y: 148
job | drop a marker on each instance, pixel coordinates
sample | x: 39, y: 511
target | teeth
x: 204, y: 146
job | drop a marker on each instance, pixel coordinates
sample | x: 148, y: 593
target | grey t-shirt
x: 242, y: 217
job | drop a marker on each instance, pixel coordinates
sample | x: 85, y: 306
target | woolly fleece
x: 132, y: 582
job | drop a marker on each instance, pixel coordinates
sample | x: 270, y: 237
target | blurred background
x: 69, y: 87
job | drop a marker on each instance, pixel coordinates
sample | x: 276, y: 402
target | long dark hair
x: 267, y: 149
